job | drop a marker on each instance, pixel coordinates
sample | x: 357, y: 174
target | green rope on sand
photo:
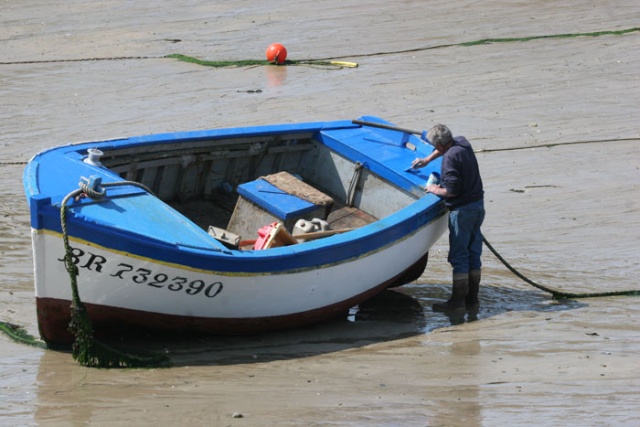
x: 332, y: 63
x: 242, y: 63
x: 552, y: 36
x: 495, y: 40
x: 255, y: 62
x: 85, y: 349
x: 555, y: 293
x: 20, y: 335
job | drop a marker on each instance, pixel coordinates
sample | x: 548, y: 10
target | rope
x: 495, y: 40
x: 12, y: 163
x: 552, y: 36
x: 555, y: 293
x: 330, y: 62
x: 85, y: 349
x: 254, y: 62
x: 20, y: 335
x: 50, y: 61
x: 99, y: 195
x: 555, y: 144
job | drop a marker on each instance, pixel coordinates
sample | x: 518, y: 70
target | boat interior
x: 213, y: 183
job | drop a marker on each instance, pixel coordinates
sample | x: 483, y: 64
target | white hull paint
x: 116, y: 279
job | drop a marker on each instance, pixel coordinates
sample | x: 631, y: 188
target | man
x: 462, y: 192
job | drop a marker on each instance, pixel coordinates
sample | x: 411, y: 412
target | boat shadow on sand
x: 392, y: 315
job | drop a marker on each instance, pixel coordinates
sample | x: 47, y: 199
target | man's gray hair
x: 440, y: 134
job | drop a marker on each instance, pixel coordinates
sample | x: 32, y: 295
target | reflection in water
x: 276, y: 75
x: 494, y: 300
x: 392, y: 315
x: 389, y: 306
x: 63, y: 386
x: 389, y: 316
x: 62, y: 391
x: 466, y: 408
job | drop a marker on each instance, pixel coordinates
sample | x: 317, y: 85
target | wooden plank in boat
x: 261, y: 203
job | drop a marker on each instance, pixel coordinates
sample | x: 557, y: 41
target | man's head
x: 440, y: 136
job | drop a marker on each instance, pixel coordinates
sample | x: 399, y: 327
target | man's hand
x: 432, y: 188
x: 438, y: 190
x: 419, y: 163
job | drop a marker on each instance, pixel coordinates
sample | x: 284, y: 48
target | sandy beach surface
x: 563, y: 207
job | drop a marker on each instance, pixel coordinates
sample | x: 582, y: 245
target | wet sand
x: 567, y: 216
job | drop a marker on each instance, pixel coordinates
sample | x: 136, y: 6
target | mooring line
x: 20, y: 335
x: 12, y: 163
x: 555, y: 144
x: 556, y: 294
x: 331, y: 62
x: 51, y: 61
x: 494, y: 40
x: 87, y: 350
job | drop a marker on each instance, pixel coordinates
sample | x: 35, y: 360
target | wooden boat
x: 214, y: 238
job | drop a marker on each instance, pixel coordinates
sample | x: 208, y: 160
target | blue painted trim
x: 137, y: 223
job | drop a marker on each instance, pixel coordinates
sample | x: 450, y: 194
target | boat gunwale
x: 331, y: 250
x: 374, y: 236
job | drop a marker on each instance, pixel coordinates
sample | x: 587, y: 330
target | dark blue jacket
x: 461, y: 175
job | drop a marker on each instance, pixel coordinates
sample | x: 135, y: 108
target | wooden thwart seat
x: 279, y: 197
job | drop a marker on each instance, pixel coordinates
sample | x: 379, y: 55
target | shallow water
x: 567, y: 216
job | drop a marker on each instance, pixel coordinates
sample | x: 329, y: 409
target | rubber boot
x: 458, y: 294
x: 472, y: 301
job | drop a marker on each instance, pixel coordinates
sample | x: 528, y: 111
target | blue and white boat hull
x: 143, y: 265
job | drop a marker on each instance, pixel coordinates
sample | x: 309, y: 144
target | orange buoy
x: 276, y: 53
